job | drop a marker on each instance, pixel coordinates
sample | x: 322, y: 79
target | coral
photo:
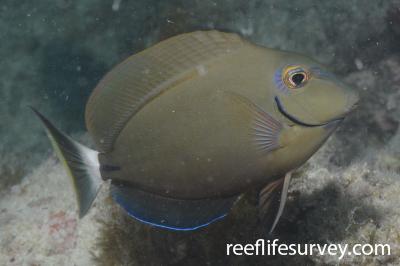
x: 68, y: 46
x: 353, y: 204
x: 347, y: 193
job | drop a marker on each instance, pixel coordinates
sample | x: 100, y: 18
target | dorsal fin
x: 143, y: 76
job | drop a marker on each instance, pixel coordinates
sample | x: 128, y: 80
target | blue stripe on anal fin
x: 169, y: 213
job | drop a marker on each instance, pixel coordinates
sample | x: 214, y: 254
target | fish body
x: 186, y: 126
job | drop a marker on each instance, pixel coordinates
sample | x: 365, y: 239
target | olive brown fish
x: 186, y: 126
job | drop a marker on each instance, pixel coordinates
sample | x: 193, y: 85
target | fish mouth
x: 298, y: 121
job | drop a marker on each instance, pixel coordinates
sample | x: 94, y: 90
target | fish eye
x: 295, y: 77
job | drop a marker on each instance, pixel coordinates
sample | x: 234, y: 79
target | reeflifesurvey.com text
x: 263, y: 247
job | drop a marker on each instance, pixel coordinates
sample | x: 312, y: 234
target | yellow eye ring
x: 295, y: 77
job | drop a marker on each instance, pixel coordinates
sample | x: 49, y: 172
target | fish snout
x: 352, y: 100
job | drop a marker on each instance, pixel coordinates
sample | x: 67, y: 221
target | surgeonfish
x: 185, y: 127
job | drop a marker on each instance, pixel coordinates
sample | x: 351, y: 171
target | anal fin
x: 170, y: 213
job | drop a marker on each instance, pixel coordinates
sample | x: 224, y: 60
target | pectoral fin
x: 265, y: 128
x: 272, y: 200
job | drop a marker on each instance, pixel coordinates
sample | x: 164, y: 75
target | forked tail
x: 81, y: 163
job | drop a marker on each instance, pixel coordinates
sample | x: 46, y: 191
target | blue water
x: 53, y: 53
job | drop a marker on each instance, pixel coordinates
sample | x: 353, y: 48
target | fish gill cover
x: 54, y: 52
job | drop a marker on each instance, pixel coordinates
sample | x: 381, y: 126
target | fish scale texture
x: 357, y: 204
x: 143, y: 76
x: 68, y: 47
x: 347, y: 193
x: 329, y: 202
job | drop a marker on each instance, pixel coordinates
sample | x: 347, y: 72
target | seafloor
x: 53, y: 52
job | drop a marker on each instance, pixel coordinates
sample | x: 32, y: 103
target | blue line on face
x: 279, y: 81
x: 314, y: 71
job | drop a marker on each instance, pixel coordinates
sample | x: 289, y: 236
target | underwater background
x: 53, y: 53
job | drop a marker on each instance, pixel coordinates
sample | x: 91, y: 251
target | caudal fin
x: 81, y: 163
